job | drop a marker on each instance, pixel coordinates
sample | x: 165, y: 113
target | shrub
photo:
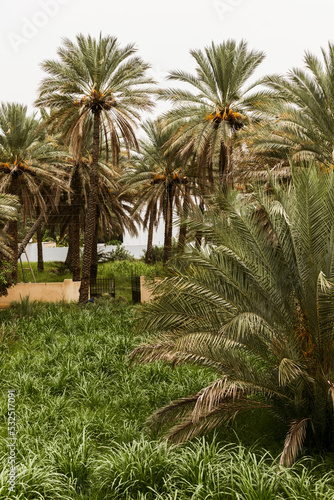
x: 157, y: 254
x: 119, y: 253
x: 6, y: 277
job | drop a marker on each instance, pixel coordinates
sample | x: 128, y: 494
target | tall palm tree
x: 114, y: 205
x: 160, y: 180
x: 256, y: 306
x: 300, y: 110
x: 27, y: 164
x: 137, y: 178
x: 217, y: 104
x: 100, y: 88
x: 114, y: 208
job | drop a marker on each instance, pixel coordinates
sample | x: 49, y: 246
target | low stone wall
x: 65, y: 291
x: 146, y: 285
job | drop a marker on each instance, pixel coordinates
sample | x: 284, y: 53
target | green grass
x: 50, y: 273
x: 75, y: 391
x: 122, y: 272
x: 81, y: 412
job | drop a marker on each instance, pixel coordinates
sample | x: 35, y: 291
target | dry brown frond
x: 331, y: 392
x: 293, y: 441
x: 222, y: 414
x: 147, y: 353
x: 176, y: 409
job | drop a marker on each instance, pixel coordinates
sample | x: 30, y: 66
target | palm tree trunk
x: 40, y: 263
x: 75, y: 226
x: 223, y: 166
x: 149, y: 249
x: 182, y: 238
x: 198, y: 237
x: 230, y: 165
x: 12, y: 228
x: 12, y: 232
x: 183, y: 227
x: 93, y: 267
x: 168, y: 224
x: 75, y: 253
x: 210, y: 174
x: 91, y: 213
x: 68, y: 260
x: 29, y: 235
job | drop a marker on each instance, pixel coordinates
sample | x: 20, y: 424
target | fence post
x: 136, y: 291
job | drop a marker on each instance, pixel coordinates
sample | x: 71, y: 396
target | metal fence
x: 103, y: 286
x: 135, y: 284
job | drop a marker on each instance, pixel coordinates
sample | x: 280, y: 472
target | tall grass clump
x: 132, y: 468
x: 35, y: 480
x: 204, y: 470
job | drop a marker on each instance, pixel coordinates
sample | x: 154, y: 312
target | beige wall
x: 146, y: 285
x: 66, y: 291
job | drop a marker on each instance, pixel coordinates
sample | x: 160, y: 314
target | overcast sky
x: 164, y: 32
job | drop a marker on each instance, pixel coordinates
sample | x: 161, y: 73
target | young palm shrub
x: 256, y: 306
x: 9, y: 207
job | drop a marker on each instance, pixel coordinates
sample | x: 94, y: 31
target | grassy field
x: 81, y: 411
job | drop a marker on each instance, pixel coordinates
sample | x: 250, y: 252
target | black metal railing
x: 135, y: 285
x: 103, y: 286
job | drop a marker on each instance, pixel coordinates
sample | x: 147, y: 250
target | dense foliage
x: 81, y: 412
x: 256, y: 306
x: 6, y: 276
x: 117, y: 254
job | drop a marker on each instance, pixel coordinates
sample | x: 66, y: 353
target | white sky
x: 164, y: 32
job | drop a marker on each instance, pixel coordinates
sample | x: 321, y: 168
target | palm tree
x: 9, y: 208
x: 300, y: 110
x: 96, y: 88
x: 137, y: 179
x: 27, y: 165
x: 69, y: 214
x: 160, y: 180
x: 256, y: 306
x: 208, y: 116
x: 114, y: 208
